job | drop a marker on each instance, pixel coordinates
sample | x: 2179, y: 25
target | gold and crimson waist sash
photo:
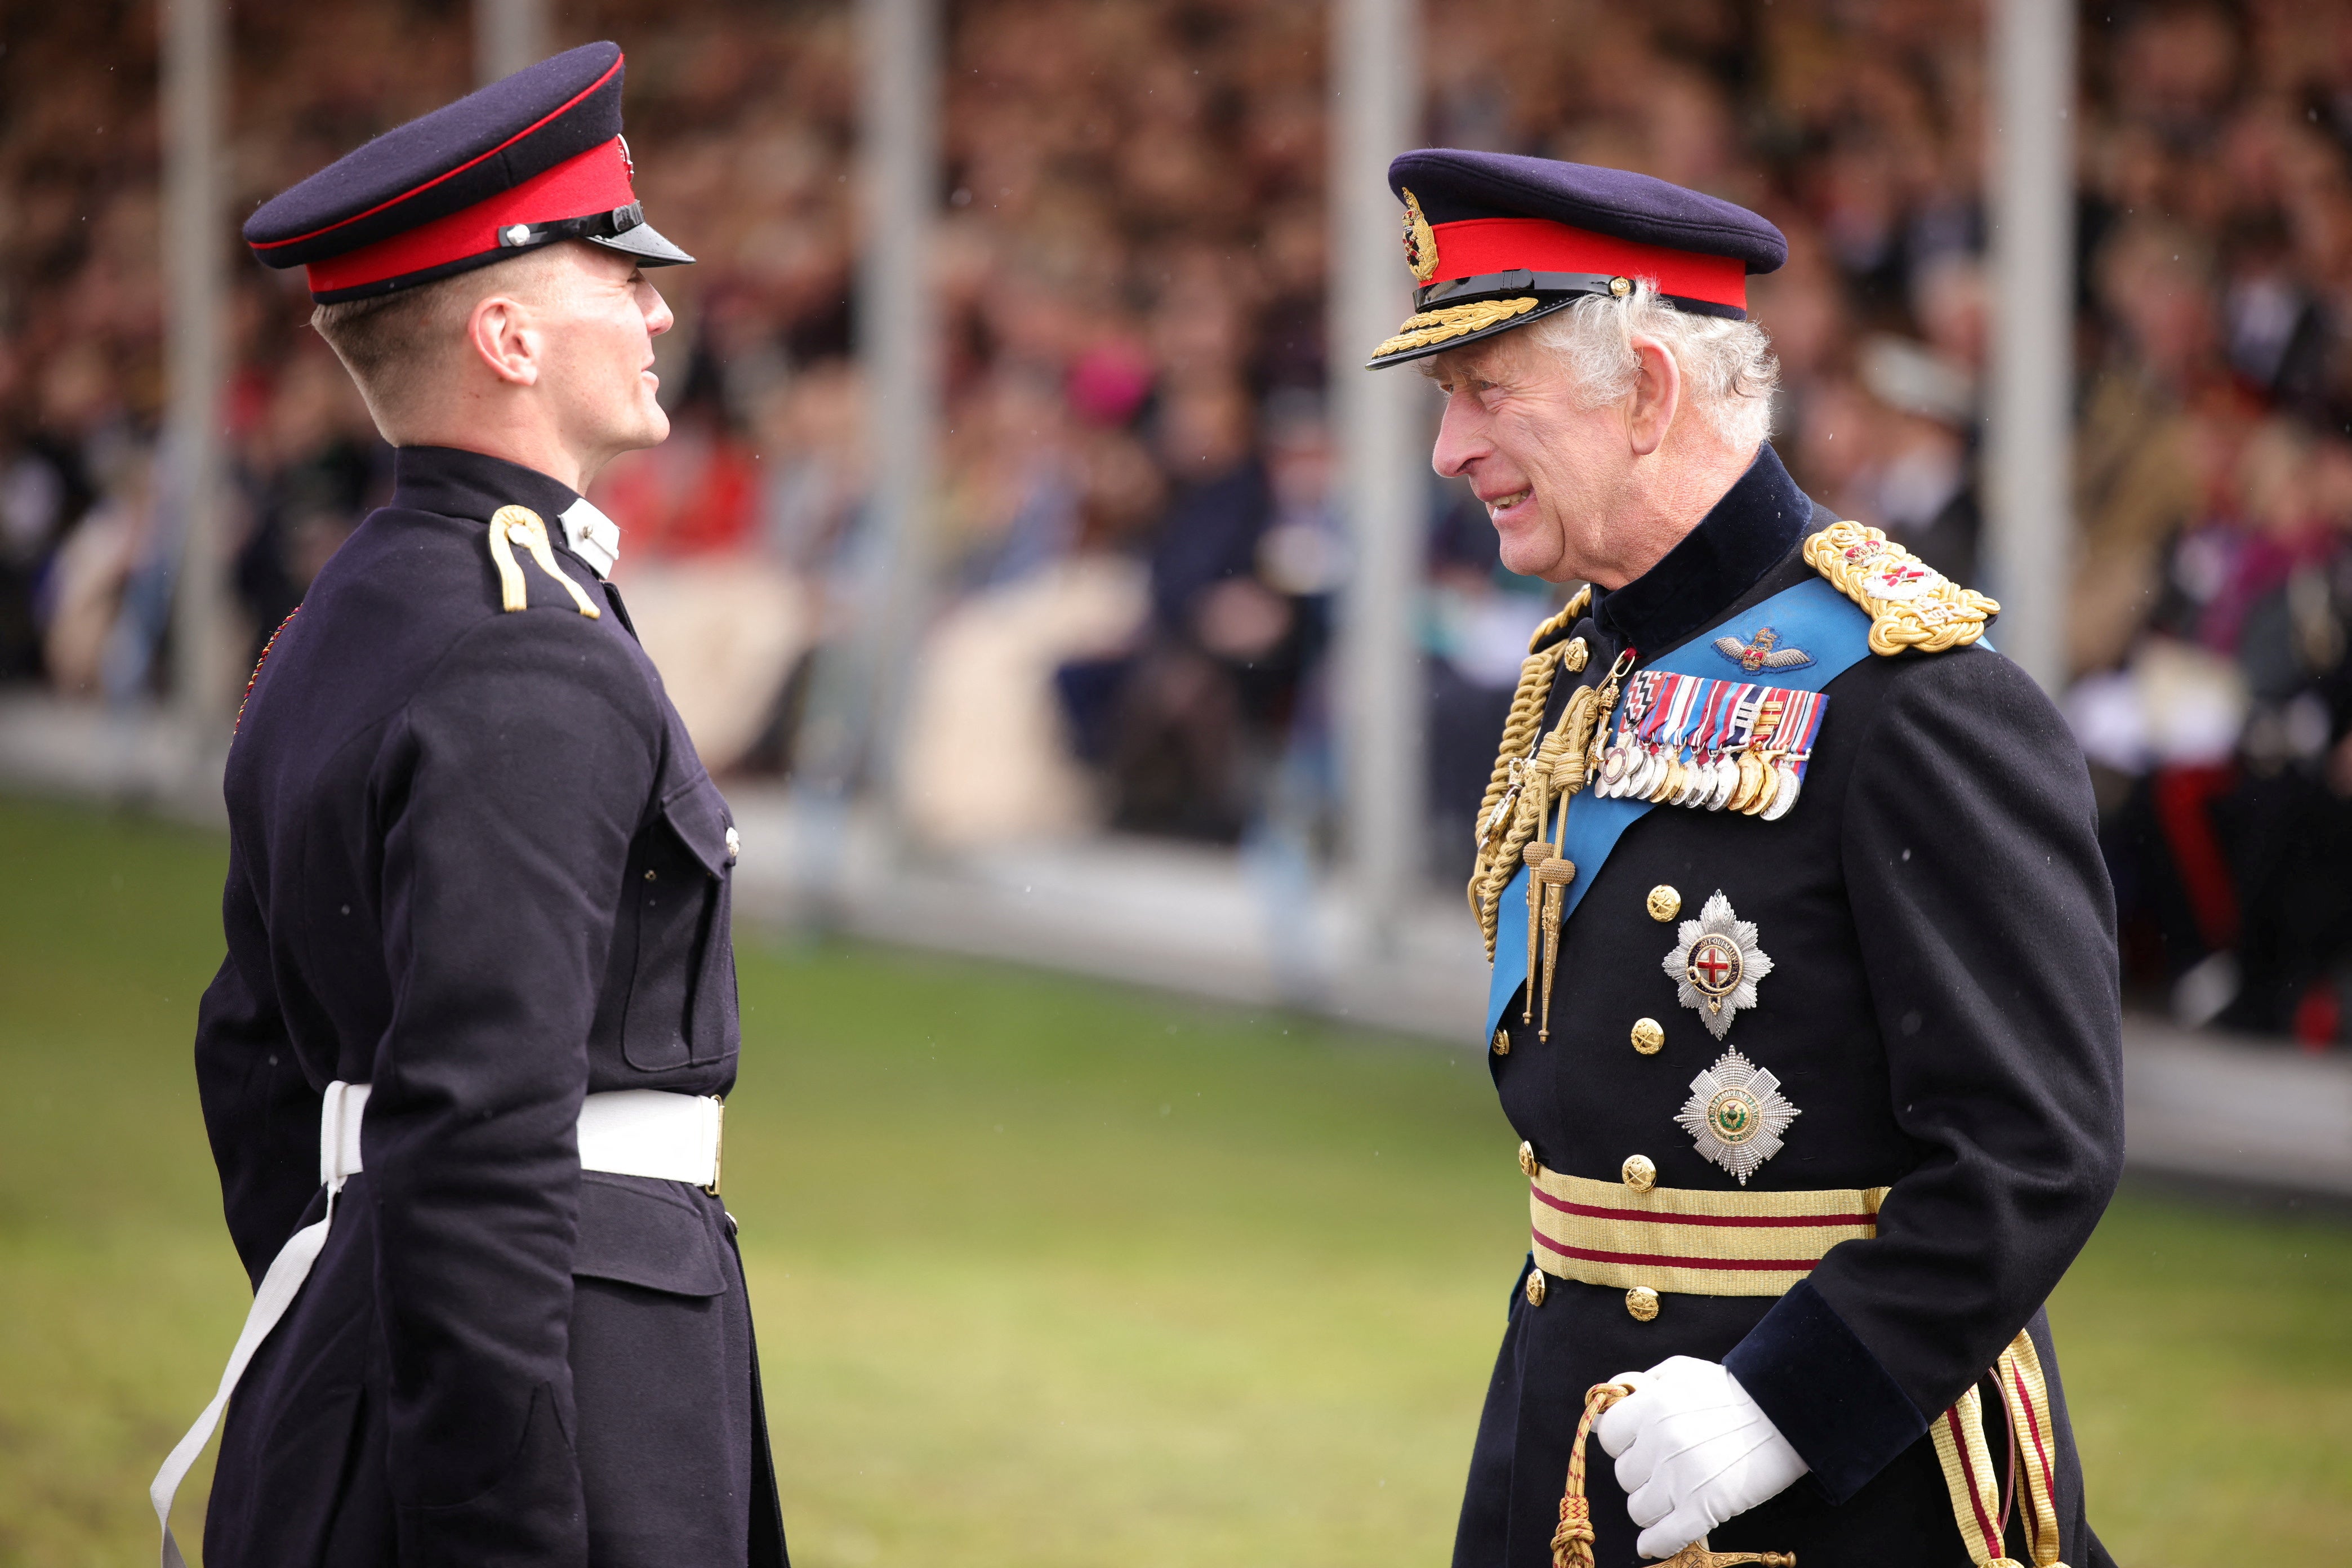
x: 1693, y: 1243
x: 1672, y: 1239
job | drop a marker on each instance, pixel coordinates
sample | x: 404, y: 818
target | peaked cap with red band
x: 527, y: 162
x: 1495, y: 241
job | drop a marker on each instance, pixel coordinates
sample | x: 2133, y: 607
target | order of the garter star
x: 1716, y: 964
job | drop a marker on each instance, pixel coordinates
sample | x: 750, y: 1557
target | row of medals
x: 1754, y: 782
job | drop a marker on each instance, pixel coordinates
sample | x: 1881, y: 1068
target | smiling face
x: 598, y: 317
x: 1552, y: 472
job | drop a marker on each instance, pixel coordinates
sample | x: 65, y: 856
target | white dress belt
x: 624, y: 1132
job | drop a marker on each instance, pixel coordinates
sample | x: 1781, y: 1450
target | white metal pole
x: 2029, y: 532
x: 854, y: 710
x: 189, y: 469
x: 508, y: 36
x: 1385, y: 461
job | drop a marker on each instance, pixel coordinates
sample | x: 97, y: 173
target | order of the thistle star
x: 1716, y: 964
x: 1736, y: 1115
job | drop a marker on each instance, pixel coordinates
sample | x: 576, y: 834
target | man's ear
x: 1656, y: 397
x: 501, y: 331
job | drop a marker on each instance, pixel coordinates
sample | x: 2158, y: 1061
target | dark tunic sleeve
x: 508, y: 796
x: 260, y: 1113
x: 1987, y: 930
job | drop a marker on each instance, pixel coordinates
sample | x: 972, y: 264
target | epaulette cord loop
x: 1503, y: 832
x: 512, y: 525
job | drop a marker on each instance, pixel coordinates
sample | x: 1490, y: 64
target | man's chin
x: 651, y: 432
x: 1532, y: 555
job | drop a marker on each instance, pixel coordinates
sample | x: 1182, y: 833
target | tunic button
x: 734, y: 846
x: 1640, y: 1174
x: 651, y: 875
x: 1649, y: 1037
x: 1535, y: 1286
x: 1665, y: 904
x: 1502, y: 1042
x: 1527, y: 1160
x: 1641, y: 1303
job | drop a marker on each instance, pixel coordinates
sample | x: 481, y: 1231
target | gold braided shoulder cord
x: 1506, y: 823
x: 1452, y: 322
x: 513, y: 525
x: 1911, y: 604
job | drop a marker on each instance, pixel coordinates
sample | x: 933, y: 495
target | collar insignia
x: 1760, y: 652
x: 1716, y: 964
x: 1735, y: 1114
x: 1420, y: 241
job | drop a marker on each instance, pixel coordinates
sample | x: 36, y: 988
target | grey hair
x: 1729, y: 370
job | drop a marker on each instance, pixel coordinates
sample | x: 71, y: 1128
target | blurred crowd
x: 1135, y: 546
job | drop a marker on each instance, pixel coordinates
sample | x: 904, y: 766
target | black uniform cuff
x: 1838, y: 1407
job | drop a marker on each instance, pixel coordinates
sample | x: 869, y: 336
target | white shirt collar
x: 593, y: 536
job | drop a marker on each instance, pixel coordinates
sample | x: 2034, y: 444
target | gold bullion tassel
x: 1555, y: 874
x: 1539, y: 854
x: 1562, y: 765
x: 1571, y: 1543
x: 512, y: 525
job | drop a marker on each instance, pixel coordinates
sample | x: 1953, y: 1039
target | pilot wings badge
x: 1760, y: 652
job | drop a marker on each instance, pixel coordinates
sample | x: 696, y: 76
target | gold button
x: 1502, y: 1042
x: 1535, y: 1286
x: 1527, y: 1160
x: 1639, y: 1173
x: 1665, y: 904
x: 651, y: 875
x: 1649, y: 1037
x: 1641, y: 1303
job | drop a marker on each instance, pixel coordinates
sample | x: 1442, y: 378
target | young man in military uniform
x: 461, y: 1067
x: 1805, y: 997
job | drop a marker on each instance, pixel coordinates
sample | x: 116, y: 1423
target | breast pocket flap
x: 697, y: 814
x: 632, y: 1232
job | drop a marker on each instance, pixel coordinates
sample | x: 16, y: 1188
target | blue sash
x: 1813, y: 617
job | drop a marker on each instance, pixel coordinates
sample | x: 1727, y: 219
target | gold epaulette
x: 1910, y: 604
x: 513, y: 525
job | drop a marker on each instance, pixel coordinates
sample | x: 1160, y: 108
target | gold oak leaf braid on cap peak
x: 1498, y: 858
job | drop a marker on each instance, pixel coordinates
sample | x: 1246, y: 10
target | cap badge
x: 1420, y: 241
x: 1716, y: 964
x: 628, y: 164
x: 1735, y: 1114
x: 1760, y: 652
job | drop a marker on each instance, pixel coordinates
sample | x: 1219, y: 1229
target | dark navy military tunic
x: 476, y: 863
x: 1943, y: 1011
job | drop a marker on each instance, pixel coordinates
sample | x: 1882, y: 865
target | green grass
x: 1048, y: 1273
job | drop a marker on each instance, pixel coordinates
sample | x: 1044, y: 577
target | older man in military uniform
x: 461, y: 1067
x: 1805, y: 983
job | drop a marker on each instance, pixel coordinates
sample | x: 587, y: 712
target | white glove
x: 1692, y: 1450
